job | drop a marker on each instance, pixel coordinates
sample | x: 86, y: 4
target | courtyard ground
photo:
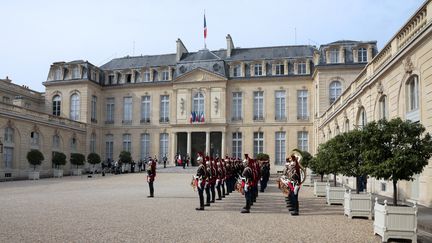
x: 115, y: 208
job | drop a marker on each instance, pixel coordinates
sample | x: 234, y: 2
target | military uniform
x: 151, y: 174
x: 200, y: 178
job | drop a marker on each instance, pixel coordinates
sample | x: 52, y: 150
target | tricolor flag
x: 205, y: 28
x: 202, y: 117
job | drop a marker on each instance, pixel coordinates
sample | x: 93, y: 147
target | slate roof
x: 140, y: 61
x: 247, y: 54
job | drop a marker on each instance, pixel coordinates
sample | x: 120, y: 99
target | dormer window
x: 75, y: 72
x: 57, y: 74
x: 334, y: 56
x: 165, y: 75
x: 362, y: 55
x: 258, y: 70
x: 147, y: 76
x: 301, y: 68
x: 128, y: 78
x: 236, y: 71
x: 280, y: 69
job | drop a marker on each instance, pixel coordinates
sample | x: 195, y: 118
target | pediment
x: 199, y: 75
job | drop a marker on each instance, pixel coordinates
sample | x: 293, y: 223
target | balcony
x: 258, y: 118
x: 303, y: 118
x: 236, y: 119
x: 164, y: 120
x: 280, y: 118
x: 109, y: 122
x: 127, y: 122
x: 145, y: 120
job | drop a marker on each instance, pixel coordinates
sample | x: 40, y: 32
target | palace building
x: 231, y: 101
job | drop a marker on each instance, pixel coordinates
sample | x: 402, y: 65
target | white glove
x: 217, y: 182
x: 246, y: 188
x: 296, y: 189
x: 199, y: 184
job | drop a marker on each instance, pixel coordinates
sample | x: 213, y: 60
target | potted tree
x: 35, y: 158
x: 353, y: 165
x: 58, y: 159
x: 397, y: 151
x: 125, y: 158
x: 94, y: 159
x: 78, y: 160
x: 318, y: 164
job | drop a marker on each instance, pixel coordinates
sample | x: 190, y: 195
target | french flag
x: 202, y: 117
x: 205, y: 28
x: 191, y: 118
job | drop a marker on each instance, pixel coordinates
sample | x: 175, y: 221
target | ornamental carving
x: 216, y: 104
x: 380, y: 88
x: 182, y: 105
x: 408, y: 65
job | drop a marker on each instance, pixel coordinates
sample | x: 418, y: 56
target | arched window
x: 75, y: 107
x: 361, y: 118
x: 9, y: 135
x: 73, y: 145
x: 335, y: 90
x: 34, y: 139
x: 413, y: 99
x: 198, y: 103
x: 56, y: 142
x: 383, y: 110
x: 346, y: 126
x: 56, y: 102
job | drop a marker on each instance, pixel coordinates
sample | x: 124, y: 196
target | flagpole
x: 205, y: 44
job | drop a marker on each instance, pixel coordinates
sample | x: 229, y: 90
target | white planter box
x: 357, y: 205
x: 33, y: 175
x: 335, y: 195
x: 396, y: 222
x: 320, y: 189
x: 58, y: 173
x: 77, y: 172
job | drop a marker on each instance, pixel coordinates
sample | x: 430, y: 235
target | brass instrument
x: 297, y: 154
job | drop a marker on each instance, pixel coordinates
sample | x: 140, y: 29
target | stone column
x: 173, y: 147
x: 208, y: 143
x: 223, y: 145
x: 189, y: 143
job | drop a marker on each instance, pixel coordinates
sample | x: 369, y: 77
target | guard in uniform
x: 247, y: 184
x: 294, y: 184
x: 200, y: 178
x: 265, y: 175
x: 207, y: 180
x: 151, y: 174
x: 219, y: 179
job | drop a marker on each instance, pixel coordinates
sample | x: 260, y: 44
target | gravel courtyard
x: 115, y: 208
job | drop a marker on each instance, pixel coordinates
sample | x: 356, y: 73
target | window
x: 302, y: 105
x: 362, y: 55
x: 163, y: 145
x: 361, y: 119
x: 119, y: 77
x: 236, y: 71
x: 280, y: 69
x: 155, y: 76
x: 75, y: 107
x: 9, y: 135
x: 94, y: 109
x: 56, y: 142
x: 165, y: 75
x: 109, y: 146
x: 137, y: 77
x: 109, y: 110
x: 258, y: 70
x: 237, y: 107
x: 57, y: 74
x: 111, y: 79
x: 145, y: 146
x: 302, y: 140
x: 237, y: 145
x: 334, y: 56
x: 145, y: 109
x: 335, y: 91
x: 147, y: 76
x: 127, y: 110
x: 128, y: 78
x: 413, y: 93
x: 280, y: 148
x: 383, y: 186
x: 280, y: 105
x: 8, y: 157
x: 301, y: 68
x: 73, y: 145
x: 258, y: 143
x: 346, y: 126
x: 34, y: 139
x: 6, y: 99
x: 164, y: 108
x: 127, y: 142
x: 56, y: 105
x: 75, y: 72
x: 198, y: 104
x: 383, y: 111
x: 93, y: 143
x: 258, y: 105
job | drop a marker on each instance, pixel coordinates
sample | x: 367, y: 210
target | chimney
x: 181, y: 49
x: 230, y: 45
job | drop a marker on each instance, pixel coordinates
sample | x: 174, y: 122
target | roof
x: 271, y: 52
x: 140, y: 61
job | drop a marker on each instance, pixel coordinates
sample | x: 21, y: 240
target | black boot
x: 199, y: 209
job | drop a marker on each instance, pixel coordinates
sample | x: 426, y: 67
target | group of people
x: 225, y: 175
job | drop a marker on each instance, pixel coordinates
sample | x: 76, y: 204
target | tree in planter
x: 58, y: 159
x: 351, y: 146
x: 319, y: 163
x: 397, y: 150
x: 263, y: 157
x: 77, y: 159
x: 306, y: 157
x: 93, y: 158
x: 335, y: 162
x: 125, y: 157
x: 35, y: 157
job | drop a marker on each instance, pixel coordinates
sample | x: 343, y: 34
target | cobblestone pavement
x: 115, y: 208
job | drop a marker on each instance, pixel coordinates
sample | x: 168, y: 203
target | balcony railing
x: 145, y: 121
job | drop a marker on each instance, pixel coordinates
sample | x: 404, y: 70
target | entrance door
x: 181, y: 144
x: 215, y: 144
x: 198, y: 145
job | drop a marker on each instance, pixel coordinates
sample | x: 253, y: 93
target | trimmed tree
x: 77, y: 159
x: 319, y: 163
x: 58, y: 159
x: 397, y: 150
x: 93, y: 158
x: 306, y: 157
x: 35, y: 157
x: 125, y: 157
x: 263, y: 157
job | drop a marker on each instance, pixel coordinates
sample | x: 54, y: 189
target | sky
x: 34, y: 34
